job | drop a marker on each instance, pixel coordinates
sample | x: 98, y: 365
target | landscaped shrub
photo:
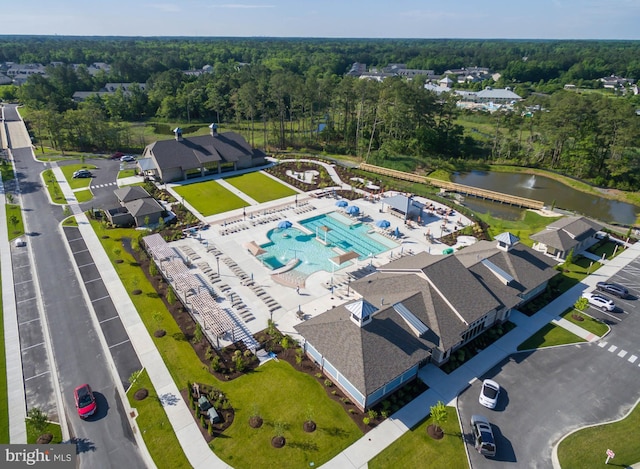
x: 215, y: 363
x: 328, y: 383
x: 372, y: 414
x: 366, y: 420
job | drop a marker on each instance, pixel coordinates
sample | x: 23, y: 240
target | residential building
x: 137, y: 207
x: 568, y: 234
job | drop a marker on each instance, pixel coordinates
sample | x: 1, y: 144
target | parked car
x: 85, y: 401
x: 599, y: 301
x: 613, y: 289
x: 489, y: 394
x: 483, y: 439
x: 20, y: 242
x: 82, y: 173
x: 117, y: 155
x: 128, y: 158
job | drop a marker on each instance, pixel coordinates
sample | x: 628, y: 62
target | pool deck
x: 229, y: 232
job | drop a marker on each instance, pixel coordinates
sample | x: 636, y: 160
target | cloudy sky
x: 515, y: 19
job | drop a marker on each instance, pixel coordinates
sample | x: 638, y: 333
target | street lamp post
x: 218, y: 264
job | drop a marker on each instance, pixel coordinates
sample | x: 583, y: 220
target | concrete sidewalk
x: 193, y: 444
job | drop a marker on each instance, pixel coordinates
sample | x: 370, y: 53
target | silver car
x: 483, y: 439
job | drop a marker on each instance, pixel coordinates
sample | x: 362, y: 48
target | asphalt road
x: 104, y: 440
x: 549, y: 392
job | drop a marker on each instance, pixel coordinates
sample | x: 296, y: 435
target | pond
x: 549, y: 191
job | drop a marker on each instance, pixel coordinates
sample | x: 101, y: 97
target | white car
x: 599, y: 301
x: 20, y: 242
x: 128, y: 158
x: 489, y: 394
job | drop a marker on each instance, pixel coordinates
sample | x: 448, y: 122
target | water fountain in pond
x: 531, y: 182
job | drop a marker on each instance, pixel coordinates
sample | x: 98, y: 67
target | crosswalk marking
x: 612, y: 349
x: 602, y: 344
x: 622, y: 353
x: 632, y: 359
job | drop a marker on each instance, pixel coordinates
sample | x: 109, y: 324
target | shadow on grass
x: 334, y: 431
x: 305, y: 446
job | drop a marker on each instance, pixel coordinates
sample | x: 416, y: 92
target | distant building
x: 200, y: 71
x: 491, y: 95
x: 183, y: 158
x: 109, y: 89
x: 357, y: 69
x: 614, y: 82
x: 567, y: 234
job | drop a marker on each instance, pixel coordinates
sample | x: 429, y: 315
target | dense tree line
x: 293, y: 93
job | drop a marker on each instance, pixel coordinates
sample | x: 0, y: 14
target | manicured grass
x: 281, y: 393
x: 83, y: 196
x: 588, y: 323
x: 260, y: 187
x: 53, y: 187
x: 125, y: 173
x: 587, y: 447
x: 210, y: 198
x: 530, y: 223
x: 4, y: 391
x: 155, y: 427
x: 77, y: 183
x: 549, y: 336
x: 52, y: 428
x: 15, y: 223
x: 417, y: 449
x: 607, y: 248
x: 6, y: 171
x: 70, y: 221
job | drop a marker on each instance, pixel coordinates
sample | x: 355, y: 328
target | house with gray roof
x: 183, y: 158
x: 420, y: 309
x: 574, y: 233
x: 137, y: 208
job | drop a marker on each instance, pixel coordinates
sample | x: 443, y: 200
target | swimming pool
x: 292, y: 243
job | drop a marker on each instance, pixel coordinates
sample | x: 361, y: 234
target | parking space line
x: 120, y: 343
x: 94, y: 280
x: 622, y: 353
x: 101, y: 298
x: 75, y: 239
x: 31, y: 346
x: 109, y: 319
x: 37, y: 376
x: 22, y: 283
x: 82, y: 250
x: 612, y: 349
x: 602, y: 344
x: 632, y: 359
x: 26, y: 299
x: 86, y: 265
x: 27, y: 322
x: 611, y: 316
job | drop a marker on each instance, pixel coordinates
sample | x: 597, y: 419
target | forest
x: 295, y: 94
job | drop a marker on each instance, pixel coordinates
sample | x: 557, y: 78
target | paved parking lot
x: 120, y: 346
x: 36, y: 369
x: 549, y: 392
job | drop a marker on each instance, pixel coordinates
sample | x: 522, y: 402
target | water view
x: 546, y: 190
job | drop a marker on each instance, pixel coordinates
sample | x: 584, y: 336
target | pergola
x: 214, y: 317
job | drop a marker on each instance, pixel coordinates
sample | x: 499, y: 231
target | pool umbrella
x: 397, y: 232
x: 284, y: 224
x: 383, y: 223
x: 353, y: 210
x: 342, y: 203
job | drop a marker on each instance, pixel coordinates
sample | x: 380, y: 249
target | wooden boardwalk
x: 459, y: 188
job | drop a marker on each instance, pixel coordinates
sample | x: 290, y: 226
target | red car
x: 117, y: 155
x: 85, y: 401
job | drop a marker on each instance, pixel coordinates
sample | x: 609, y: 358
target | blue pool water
x: 314, y: 255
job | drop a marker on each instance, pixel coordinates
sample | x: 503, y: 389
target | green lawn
x: 210, y: 198
x: 125, y: 173
x: 260, y: 187
x: 155, y: 427
x: 280, y: 392
x: 530, y: 223
x: 15, y: 223
x: 6, y: 171
x: 549, y: 336
x: 83, y: 196
x: 586, y: 448
x: 417, y: 449
x: 53, y: 187
x: 4, y: 392
x: 588, y: 323
x: 77, y: 183
x: 52, y: 428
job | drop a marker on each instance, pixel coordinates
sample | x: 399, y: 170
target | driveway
x: 549, y: 392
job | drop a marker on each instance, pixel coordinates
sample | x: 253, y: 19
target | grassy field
x: 588, y: 323
x: 417, y: 449
x: 53, y: 187
x: 15, y: 223
x: 156, y: 429
x: 52, y: 428
x: 125, y: 173
x: 530, y: 223
x: 260, y: 187
x: 281, y: 393
x: 549, y: 336
x: 83, y: 196
x: 586, y: 448
x: 210, y: 198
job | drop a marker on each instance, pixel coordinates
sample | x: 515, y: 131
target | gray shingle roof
x: 143, y: 207
x: 568, y: 232
x: 130, y: 193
